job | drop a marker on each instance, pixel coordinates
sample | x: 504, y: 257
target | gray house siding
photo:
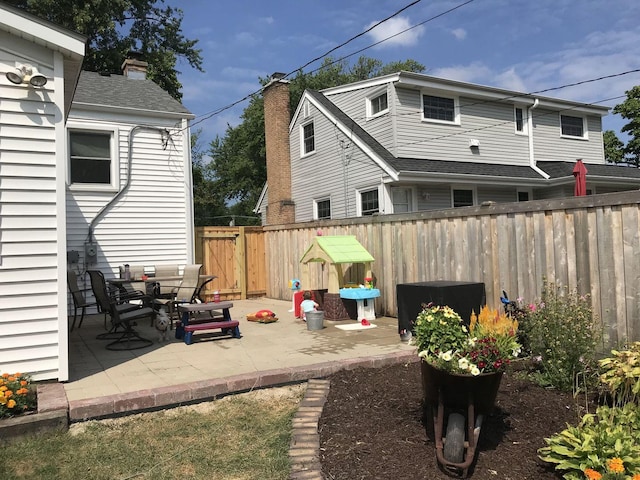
x: 322, y: 174
x: 434, y: 197
x: 354, y: 104
x: 551, y: 146
x: 490, y: 123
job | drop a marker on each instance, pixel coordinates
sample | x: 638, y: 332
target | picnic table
x: 196, y: 317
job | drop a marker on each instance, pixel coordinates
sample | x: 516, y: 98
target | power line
x: 227, y: 107
x: 220, y: 110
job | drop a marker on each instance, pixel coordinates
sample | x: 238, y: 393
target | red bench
x: 228, y: 328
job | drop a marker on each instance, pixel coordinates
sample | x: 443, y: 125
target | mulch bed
x: 372, y: 427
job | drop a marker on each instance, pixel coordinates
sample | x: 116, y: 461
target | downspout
x: 532, y: 157
x: 127, y: 183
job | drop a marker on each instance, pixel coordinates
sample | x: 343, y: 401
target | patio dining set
x: 143, y: 292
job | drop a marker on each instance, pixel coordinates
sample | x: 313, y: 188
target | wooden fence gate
x: 236, y: 255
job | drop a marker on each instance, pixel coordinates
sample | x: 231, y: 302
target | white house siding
x: 150, y: 223
x: 30, y: 120
x: 321, y: 175
x: 489, y: 122
x: 549, y: 145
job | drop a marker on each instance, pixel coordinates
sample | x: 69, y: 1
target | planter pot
x: 315, y: 320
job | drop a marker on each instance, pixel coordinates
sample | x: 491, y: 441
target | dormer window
x: 378, y: 104
x: 440, y: 109
x: 572, y: 126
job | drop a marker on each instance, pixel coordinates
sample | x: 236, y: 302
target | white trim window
x: 93, y: 159
x: 307, y: 139
x: 322, y: 209
x: 462, y: 197
x: 520, y: 119
x: 440, y: 109
x: 377, y: 104
x: 573, y: 127
x: 368, y: 202
x: 402, y: 199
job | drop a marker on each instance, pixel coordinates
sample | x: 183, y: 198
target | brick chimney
x: 134, y: 67
x: 277, y: 116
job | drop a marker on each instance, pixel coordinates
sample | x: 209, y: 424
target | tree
x: 209, y: 206
x: 116, y: 27
x: 630, y: 110
x: 239, y: 158
x: 613, y: 147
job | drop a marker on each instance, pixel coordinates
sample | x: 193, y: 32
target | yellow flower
x: 615, y: 465
x: 12, y: 379
x: 636, y: 477
x: 3, y: 388
x: 592, y: 474
x: 3, y: 400
x: 8, y: 393
x: 11, y: 403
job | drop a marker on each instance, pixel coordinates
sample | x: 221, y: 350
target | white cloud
x: 476, y: 72
x: 247, y: 39
x: 459, y: 33
x: 267, y: 20
x: 392, y: 28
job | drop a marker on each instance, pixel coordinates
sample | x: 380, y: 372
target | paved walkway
x: 104, y: 383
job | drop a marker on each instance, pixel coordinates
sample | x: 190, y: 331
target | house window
x: 308, y: 139
x: 91, y: 159
x: 369, y: 202
x: 323, y: 209
x: 402, y: 199
x: 519, y: 120
x: 439, y: 109
x: 572, y: 126
x: 523, y: 196
x: 378, y: 104
x: 462, y: 198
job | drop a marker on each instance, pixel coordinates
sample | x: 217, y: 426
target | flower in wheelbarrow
x: 445, y: 342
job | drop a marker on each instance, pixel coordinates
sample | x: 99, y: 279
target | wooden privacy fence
x: 236, y: 255
x: 588, y: 243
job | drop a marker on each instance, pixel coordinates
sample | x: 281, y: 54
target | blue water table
x: 364, y: 298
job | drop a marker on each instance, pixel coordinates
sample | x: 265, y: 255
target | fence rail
x: 590, y: 244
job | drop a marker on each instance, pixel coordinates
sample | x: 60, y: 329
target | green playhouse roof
x: 336, y: 249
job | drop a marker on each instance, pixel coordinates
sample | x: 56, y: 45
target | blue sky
x: 522, y: 45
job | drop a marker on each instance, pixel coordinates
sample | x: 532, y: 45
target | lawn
x: 243, y: 436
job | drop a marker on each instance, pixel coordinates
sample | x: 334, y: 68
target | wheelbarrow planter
x: 460, y: 402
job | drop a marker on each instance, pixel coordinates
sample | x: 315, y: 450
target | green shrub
x: 612, y: 433
x: 562, y: 335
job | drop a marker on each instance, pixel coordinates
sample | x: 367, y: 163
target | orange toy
x: 262, y: 316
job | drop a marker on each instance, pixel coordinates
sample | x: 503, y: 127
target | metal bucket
x: 315, y: 320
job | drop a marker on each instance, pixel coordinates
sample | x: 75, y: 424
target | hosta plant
x: 604, y: 445
x: 620, y: 374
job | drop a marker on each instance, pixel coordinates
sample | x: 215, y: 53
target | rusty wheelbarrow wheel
x: 454, y: 439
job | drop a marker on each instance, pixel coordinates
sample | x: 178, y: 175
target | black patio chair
x: 123, y: 310
x: 79, y: 298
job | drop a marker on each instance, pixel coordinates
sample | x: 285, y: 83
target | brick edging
x: 206, y: 390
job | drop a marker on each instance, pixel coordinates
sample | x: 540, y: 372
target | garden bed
x: 372, y: 427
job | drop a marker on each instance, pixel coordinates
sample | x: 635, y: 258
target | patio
x: 104, y: 382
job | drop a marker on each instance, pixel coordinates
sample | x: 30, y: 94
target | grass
x: 238, y: 437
